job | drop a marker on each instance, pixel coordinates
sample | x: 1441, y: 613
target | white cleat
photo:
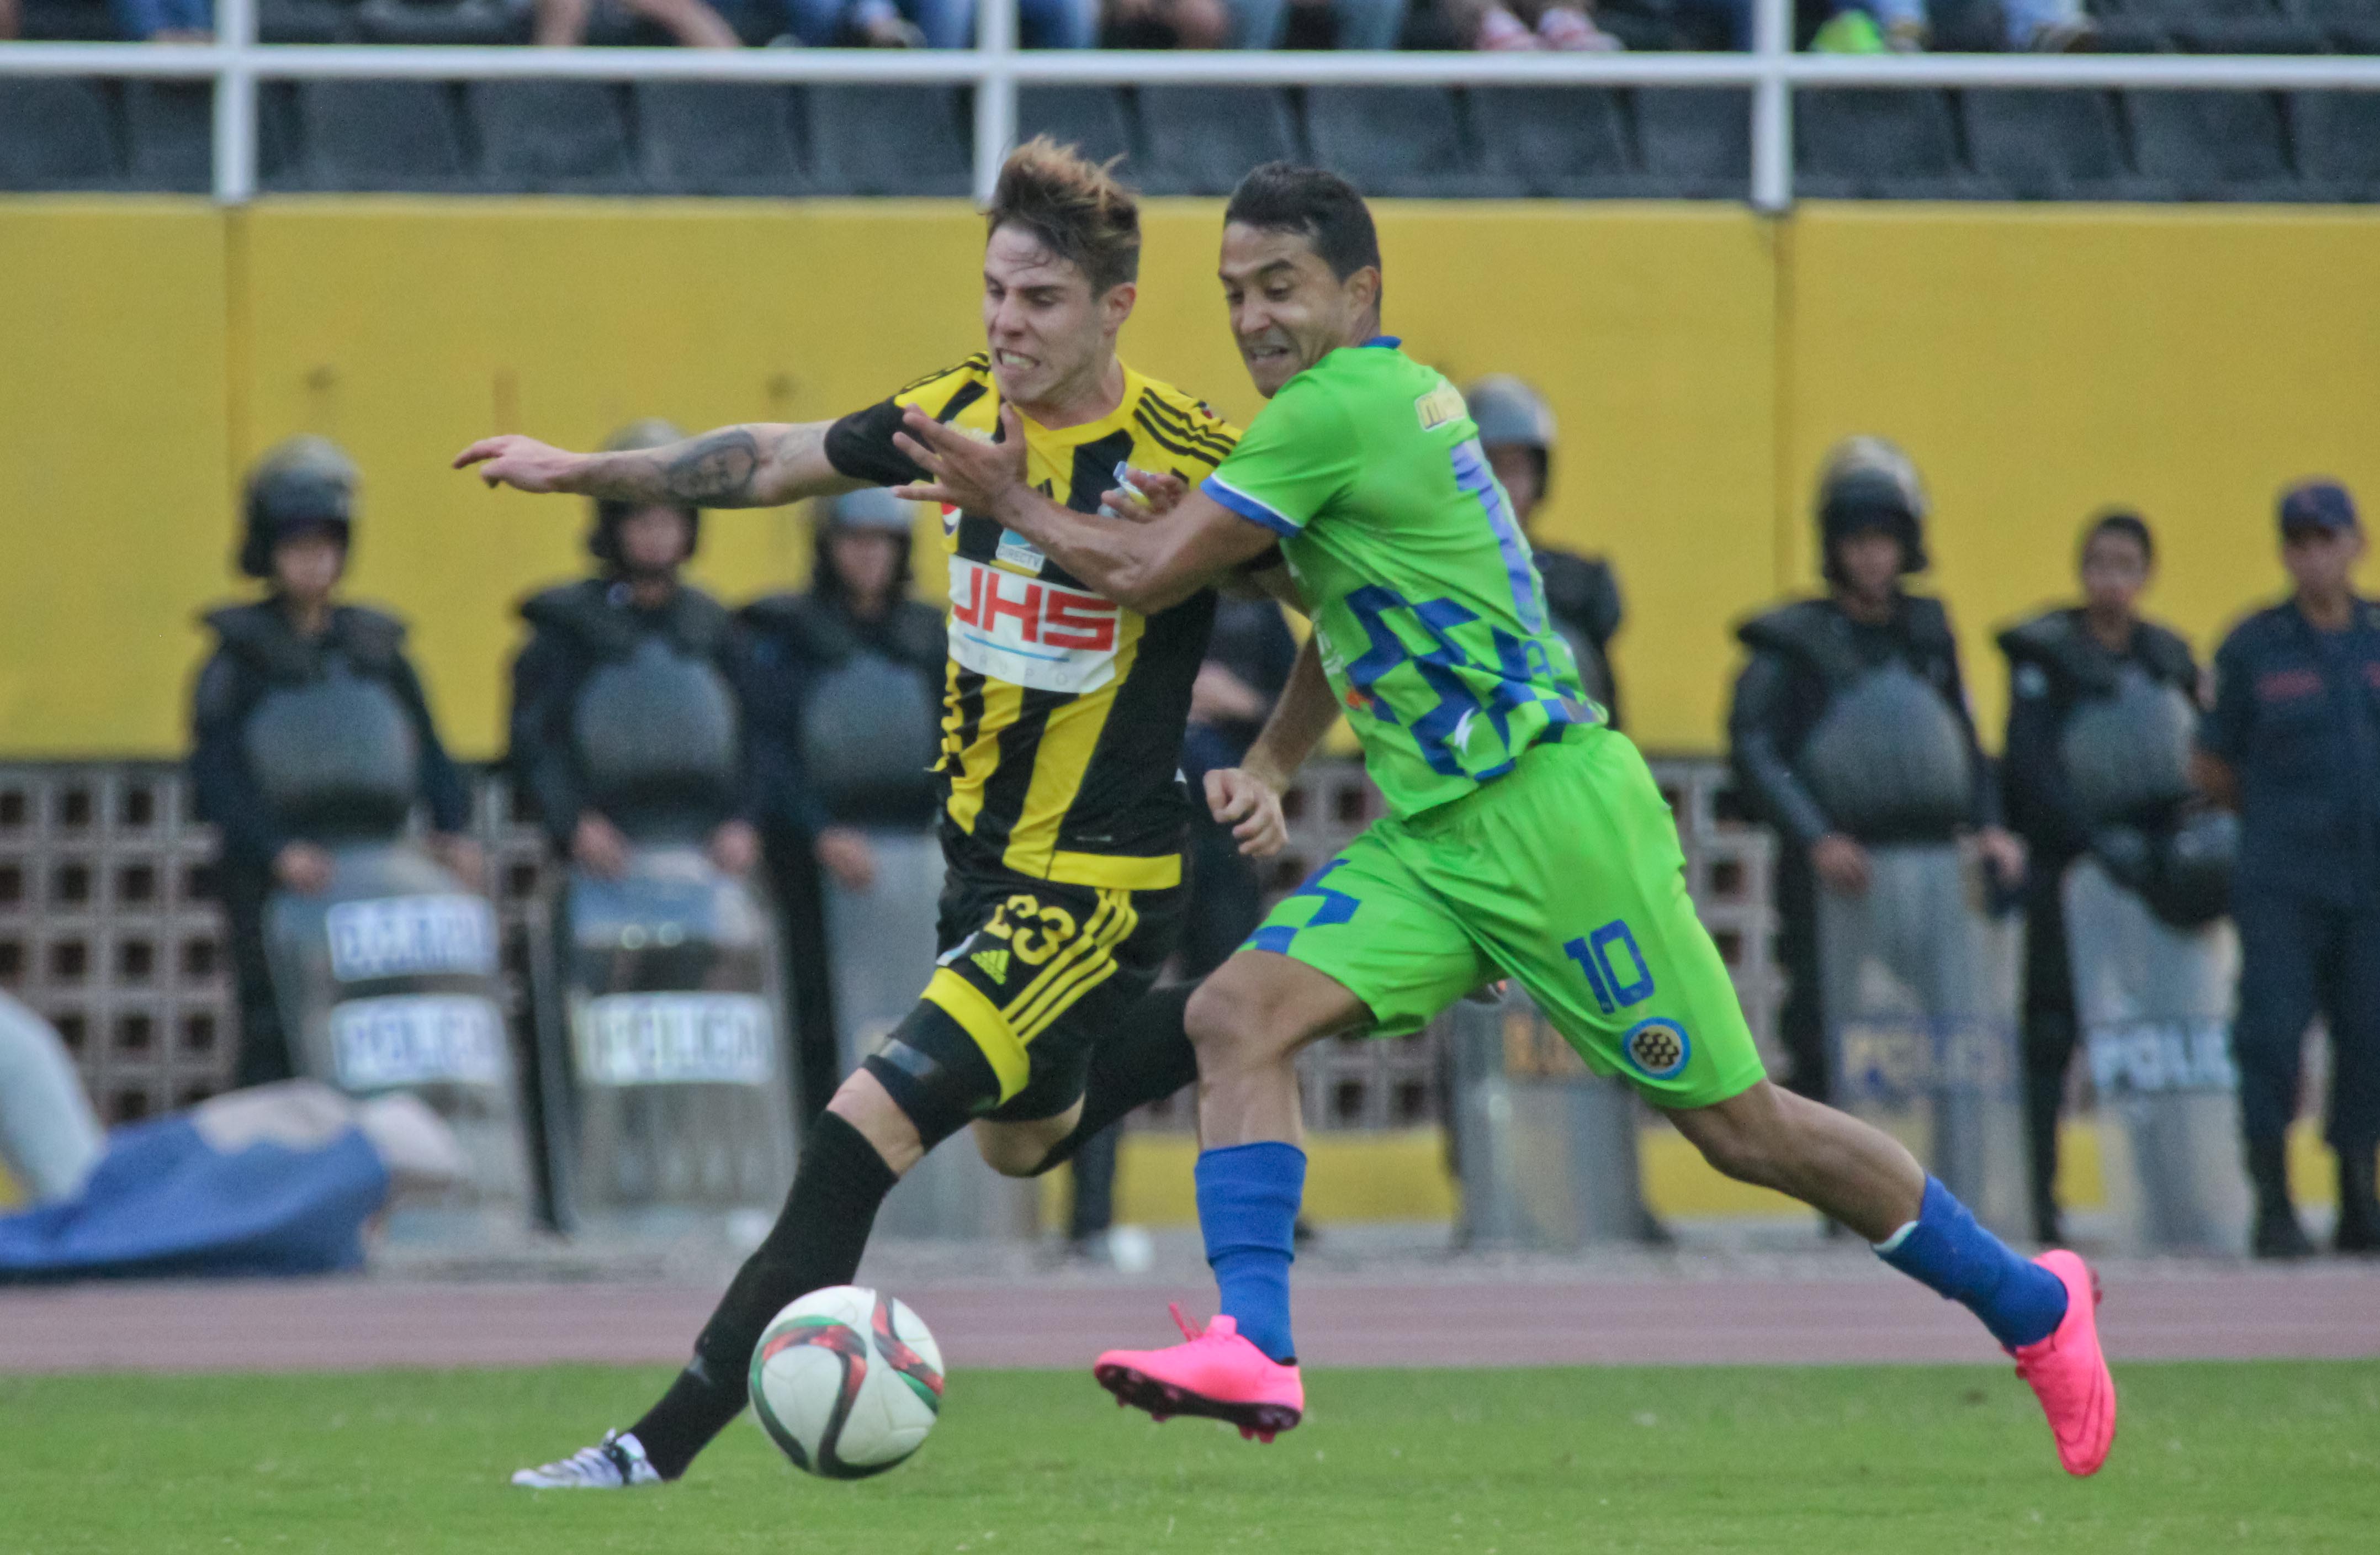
x: 617, y: 1463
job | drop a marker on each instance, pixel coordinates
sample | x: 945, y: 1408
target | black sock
x: 1148, y: 1059
x: 816, y: 1243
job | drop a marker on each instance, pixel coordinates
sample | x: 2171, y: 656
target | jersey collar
x: 1115, y: 421
x: 1392, y: 342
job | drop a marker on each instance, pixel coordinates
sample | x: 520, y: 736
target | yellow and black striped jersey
x: 1063, y: 712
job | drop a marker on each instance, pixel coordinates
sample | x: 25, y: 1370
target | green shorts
x: 1563, y: 875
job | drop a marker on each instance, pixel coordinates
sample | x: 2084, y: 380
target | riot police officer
x: 2293, y: 743
x: 1516, y: 429
x: 279, y: 803
x: 845, y: 719
x: 637, y: 604
x: 1903, y: 764
x: 2142, y: 678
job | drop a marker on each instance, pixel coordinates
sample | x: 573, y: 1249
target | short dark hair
x: 2122, y: 521
x: 1075, y: 206
x: 1314, y: 202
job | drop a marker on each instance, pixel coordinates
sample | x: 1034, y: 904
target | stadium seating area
x: 570, y: 137
x: 662, y: 138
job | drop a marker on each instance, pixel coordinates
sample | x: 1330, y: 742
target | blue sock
x: 2019, y: 1301
x: 1248, y: 1196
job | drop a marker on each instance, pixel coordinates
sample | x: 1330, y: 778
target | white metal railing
x: 236, y: 64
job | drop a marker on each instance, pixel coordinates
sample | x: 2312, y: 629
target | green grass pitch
x: 2257, y: 1456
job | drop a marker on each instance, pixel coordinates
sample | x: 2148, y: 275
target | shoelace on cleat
x: 1188, y: 1332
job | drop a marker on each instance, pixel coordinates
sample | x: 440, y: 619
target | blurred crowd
x: 1830, y: 26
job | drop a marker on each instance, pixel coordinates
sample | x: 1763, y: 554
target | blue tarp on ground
x: 166, y: 1200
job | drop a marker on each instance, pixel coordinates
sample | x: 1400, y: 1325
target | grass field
x: 2214, y: 1456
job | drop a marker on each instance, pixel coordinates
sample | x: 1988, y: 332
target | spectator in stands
x: 1357, y: 24
x: 1167, y: 24
x: 2293, y: 744
x: 1506, y: 26
x: 563, y: 23
x: 849, y: 670
x: 296, y: 641
x: 937, y: 24
x: 153, y: 21
x: 1900, y: 26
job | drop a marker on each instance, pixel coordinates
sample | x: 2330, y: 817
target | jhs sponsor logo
x: 1040, y: 613
x: 411, y: 937
x: 1029, y: 633
x: 2150, y: 1057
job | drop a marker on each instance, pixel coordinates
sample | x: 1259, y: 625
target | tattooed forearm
x: 754, y: 465
x: 714, y: 470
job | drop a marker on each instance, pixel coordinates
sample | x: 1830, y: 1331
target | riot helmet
x: 301, y: 482
x: 869, y: 510
x: 1869, y: 483
x: 603, y: 538
x: 1510, y: 414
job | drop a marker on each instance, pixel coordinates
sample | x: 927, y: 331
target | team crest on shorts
x: 1656, y: 1049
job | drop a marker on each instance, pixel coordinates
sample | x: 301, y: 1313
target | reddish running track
x: 2151, y: 1312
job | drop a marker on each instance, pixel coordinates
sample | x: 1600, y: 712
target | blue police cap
x: 2317, y: 505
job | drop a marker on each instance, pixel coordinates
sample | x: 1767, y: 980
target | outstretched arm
x: 1145, y: 567
x: 759, y: 464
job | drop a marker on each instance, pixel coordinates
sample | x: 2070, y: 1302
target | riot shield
x: 2154, y: 1006
x: 881, y: 948
x: 387, y: 982
x: 1919, y: 986
x: 681, y: 1113
x: 1547, y: 1150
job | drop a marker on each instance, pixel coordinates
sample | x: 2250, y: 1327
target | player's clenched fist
x: 521, y: 462
x: 1250, y: 808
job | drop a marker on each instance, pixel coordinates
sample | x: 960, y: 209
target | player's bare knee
x: 1741, y: 1137
x: 1016, y: 1149
x: 863, y: 1102
x: 1225, y: 1022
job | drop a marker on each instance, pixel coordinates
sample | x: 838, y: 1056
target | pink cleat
x: 1217, y: 1375
x: 2069, y: 1374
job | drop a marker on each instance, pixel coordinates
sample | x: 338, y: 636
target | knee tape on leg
x: 935, y: 1074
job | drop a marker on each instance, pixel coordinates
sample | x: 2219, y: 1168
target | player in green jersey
x: 1525, y: 838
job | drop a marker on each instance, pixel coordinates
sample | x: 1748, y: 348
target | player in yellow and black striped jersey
x: 1063, y: 713
x: 1063, y: 722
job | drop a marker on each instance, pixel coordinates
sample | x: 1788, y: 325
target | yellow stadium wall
x: 2038, y: 363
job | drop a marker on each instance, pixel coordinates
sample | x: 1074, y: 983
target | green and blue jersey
x: 1429, y: 611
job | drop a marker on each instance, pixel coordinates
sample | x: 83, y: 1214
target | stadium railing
x: 236, y: 64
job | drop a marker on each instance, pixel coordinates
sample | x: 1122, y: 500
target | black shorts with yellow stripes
x: 1036, y: 971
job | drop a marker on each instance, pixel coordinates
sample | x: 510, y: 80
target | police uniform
x: 1062, y: 813
x: 1804, y: 656
x: 577, y: 629
x: 259, y: 653
x: 2055, y: 665
x: 2297, y: 718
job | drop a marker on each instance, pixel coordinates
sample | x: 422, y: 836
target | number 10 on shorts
x: 1615, y: 968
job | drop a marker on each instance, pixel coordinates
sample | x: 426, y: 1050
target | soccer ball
x: 847, y: 1382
